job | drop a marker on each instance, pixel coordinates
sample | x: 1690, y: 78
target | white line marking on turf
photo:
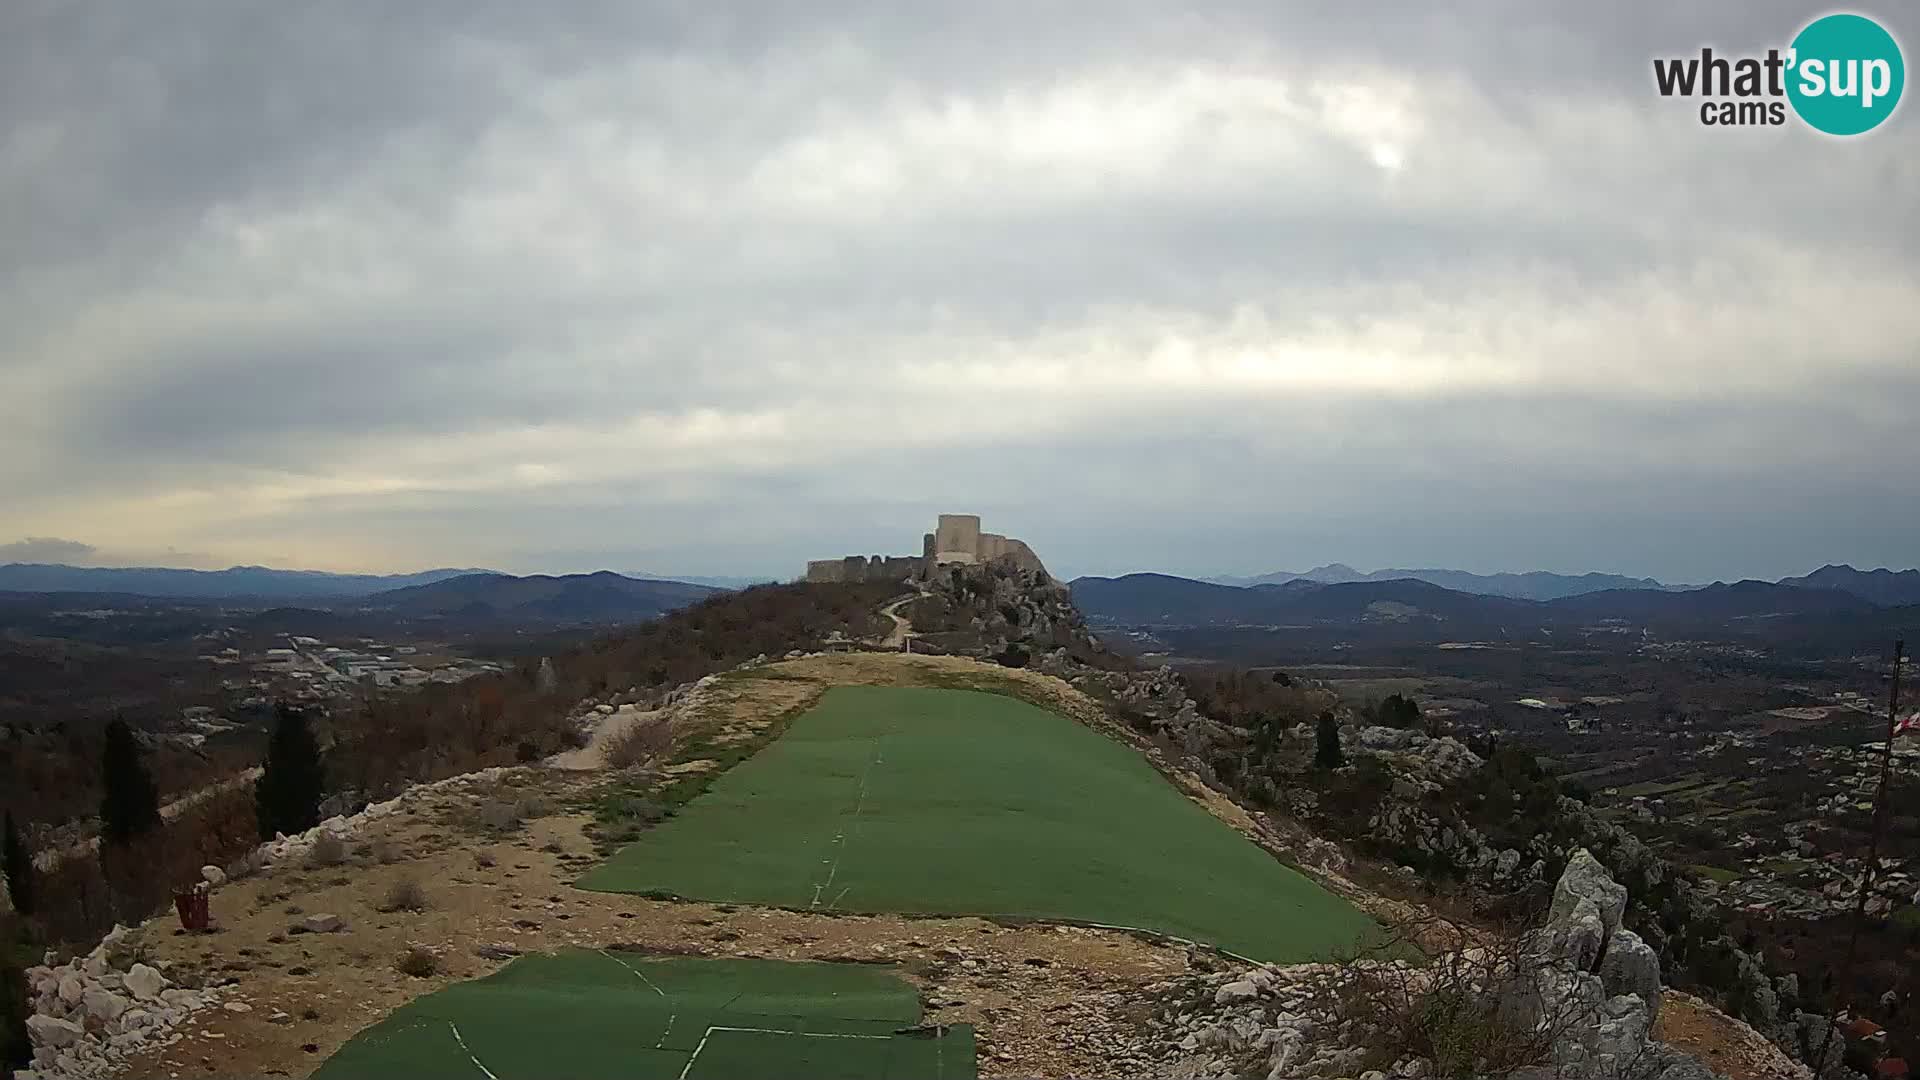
x: 638, y: 974
x: 463, y: 1045
x: 840, y: 838
x: 708, y: 1034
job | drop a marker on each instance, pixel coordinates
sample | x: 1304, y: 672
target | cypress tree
x: 16, y: 1003
x: 129, y: 803
x: 287, y: 797
x: 18, y: 865
x: 1326, y: 751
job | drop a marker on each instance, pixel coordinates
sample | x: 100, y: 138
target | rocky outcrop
x: 95, y: 1011
x: 1583, y: 988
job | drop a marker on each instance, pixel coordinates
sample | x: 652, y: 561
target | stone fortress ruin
x: 956, y: 538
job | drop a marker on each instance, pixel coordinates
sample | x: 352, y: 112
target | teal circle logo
x: 1846, y: 74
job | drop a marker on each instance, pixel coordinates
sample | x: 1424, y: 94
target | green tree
x: 16, y: 955
x: 129, y: 803
x: 1398, y: 711
x: 18, y: 864
x: 1326, y: 740
x: 287, y: 797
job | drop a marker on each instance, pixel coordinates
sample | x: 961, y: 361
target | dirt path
x: 593, y: 756
x: 902, y: 629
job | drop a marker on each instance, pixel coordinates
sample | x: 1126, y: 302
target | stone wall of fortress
x: 865, y: 568
x: 956, y: 538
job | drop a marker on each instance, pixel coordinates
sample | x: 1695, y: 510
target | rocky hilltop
x: 1578, y: 995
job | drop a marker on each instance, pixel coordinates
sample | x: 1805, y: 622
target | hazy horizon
x: 683, y: 290
x: 9, y: 553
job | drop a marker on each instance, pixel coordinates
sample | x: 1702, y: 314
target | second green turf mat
x: 960, y: 802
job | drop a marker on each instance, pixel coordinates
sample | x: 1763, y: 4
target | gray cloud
x: 46, y: 549
x: 683, y: 288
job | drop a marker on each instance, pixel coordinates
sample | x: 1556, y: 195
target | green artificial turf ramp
x: 966, y: 803
x: 592, y: 1015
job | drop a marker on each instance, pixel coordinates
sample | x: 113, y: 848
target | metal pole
x: 1873, y: 854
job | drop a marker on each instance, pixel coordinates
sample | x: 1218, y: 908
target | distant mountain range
x: 722, y: 581
x: 602, y: 597
x: 1532, y: 585
x: 1157, y: 599
x: 237, y: 582
x: 263, y: 583
x: 1885, y: 587
x: 1881, y: 586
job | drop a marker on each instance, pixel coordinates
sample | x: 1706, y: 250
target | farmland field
x: 966, y: 803
x: 591, y: 1013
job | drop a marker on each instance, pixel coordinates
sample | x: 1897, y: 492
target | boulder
x: 47, y: 1031
x: 1238, y: 990
x: 72, y: 988
x: 1386, y: 738
x: 1449, y: 757
x: 1505, y: 864
x: 320, y: 924
x: 213, y: 876
x: 1583, y: 937
x: 1630, y: 966
x: 144, y: 982
x: 105, y: 1005
x: 1586, y: 879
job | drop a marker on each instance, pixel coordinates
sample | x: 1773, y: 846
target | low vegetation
x: 419, y: 962
x: 405, y: 894
x: 640, y: 745
x: 328, y: 850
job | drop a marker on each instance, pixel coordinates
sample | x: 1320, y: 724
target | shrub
x: 419, y: 962
x: 405, y: 894
x: 1469, y: 1011
x: 641, y: 744
x: 483, y: 861
x: 328, y: 850
x: 385, y: 852
x: 629, y: 810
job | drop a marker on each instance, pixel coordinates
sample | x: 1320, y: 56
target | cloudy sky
x: 714, y: 288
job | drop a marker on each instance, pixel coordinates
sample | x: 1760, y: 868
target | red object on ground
x: 192, y: 907
x: 1891, y: 1069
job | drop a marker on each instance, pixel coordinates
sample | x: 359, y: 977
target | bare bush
x: 482, y: 861
x: 405, y: 894
x: 1472, y: 1011
x: 419, y: 962
x: 328, y: 850
x: 384, y: 851
x: 640, y: 745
